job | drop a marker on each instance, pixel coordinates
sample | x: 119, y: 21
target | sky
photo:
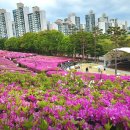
x: 61, y: 8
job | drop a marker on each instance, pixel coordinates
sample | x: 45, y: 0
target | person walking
x: 99, y: 70
x: 86, y: 69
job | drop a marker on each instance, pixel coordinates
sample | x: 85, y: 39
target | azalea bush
x: 42, y: 63
x: 13, y: 55
x: 60, y: 102
x: 12, y: 60
x: 7, y: 65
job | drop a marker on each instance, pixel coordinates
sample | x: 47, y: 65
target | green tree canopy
x: 117, y: 36
x: 28, y: 42
x: 2, y: 42
x: 65, y: 47
x: 81, y: 41
x: 50, y: 40
x: 12, y: 44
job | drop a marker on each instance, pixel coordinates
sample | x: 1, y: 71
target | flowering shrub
x: 3, y: 53
x: 42, y: 63
x: 7, y: 65
x: 67, y: 102
x: 11, y: 60
x: 57, y: 99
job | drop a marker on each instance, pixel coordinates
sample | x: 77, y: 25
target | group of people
x: 99, y: 69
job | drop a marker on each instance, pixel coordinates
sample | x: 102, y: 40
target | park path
x: 93, y: 68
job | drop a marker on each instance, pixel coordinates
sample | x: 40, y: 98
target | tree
x: 118, y: 37
x: 12, y: 44
x: 128, y: 41
x: 28, y: 42
x: 106, y: 44
x: 96, y: 32
x: 50, y: 40
x: 2, y: 42
x: 65, y: 47
x: 80, y: 41
x: 73, y: 41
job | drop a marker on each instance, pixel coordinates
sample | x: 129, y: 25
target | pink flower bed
x: 64, y: 108
x: 3, y: 53
x: 7, y: 65
x: 42, y: 63
x: 31, y: 61
x: 91, y: 76
x: 72, y: 102
x: 13, y: 55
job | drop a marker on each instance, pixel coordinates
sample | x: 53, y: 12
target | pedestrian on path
x: 86, y: 69
x: 99, y: 70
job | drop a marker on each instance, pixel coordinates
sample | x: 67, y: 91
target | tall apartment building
x: 66, y: 26
x: 82, y: 27
x: 75, y: 20
x: 59, y: 22
x: 13, y: 29
x: 69, y: 25
x: 113, y: 23
x: 20, y: 16
x: 37, y: 20
x: 128, y: 30
x: 90, y: 21
x: 103, y: 23
x: 122, y: 25
x: 5, y: 24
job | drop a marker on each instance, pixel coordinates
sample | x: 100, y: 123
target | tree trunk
x: 74, y: 54
x: 83, y: 52
x: 115, y: 62
x: 95, y: 49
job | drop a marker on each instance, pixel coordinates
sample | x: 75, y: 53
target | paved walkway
x: 93, y: 68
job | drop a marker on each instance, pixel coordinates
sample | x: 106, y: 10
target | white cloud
x: 60, y: 8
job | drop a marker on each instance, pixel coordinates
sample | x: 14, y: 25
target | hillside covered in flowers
x: 37, y: 94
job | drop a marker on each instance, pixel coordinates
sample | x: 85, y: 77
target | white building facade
x: 74, y: 20
x: 6, y: 30
x: 69, y: 25
x: 123, y: 25
x: 37, y: 20
x: 103, y: 23
x: 20, y: 16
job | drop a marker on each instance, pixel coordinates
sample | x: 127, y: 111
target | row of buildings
x: 24, y: 21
